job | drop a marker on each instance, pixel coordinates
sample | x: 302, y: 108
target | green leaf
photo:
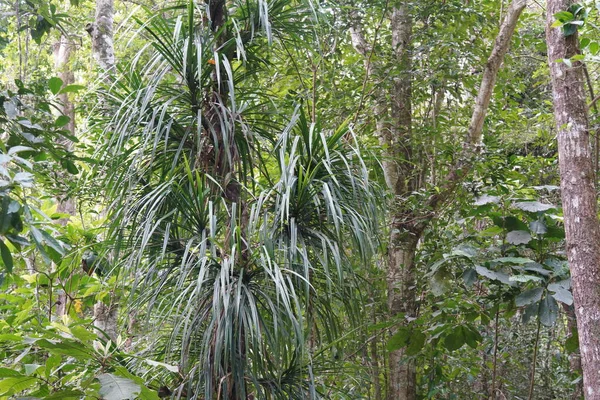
x: 67, y: 348
x: 513, y: 260
x: 487, y: 199
x: 534, y: 206
x: 548, y: 311
x: 525, y: 278
x: 510, y: 223
x: 455, y: 340
x: 399, y: 339
x: 113, y: 387
x: 441, y: 282
x: 568, y: 30
x: 594, y: 47
x: 469, y: 276
x: 415, y: 343
x: 71, y: 89
x: 8, y: 372
x: 52, y: 362
x: 564, y: 16
x: 55, y: 84
x: 65, y: 394
x: 529, y: 297
x: 62, y: 121
x: 472, y: 336
x: 169, y: 367
x: 584, y: 43
x: 7, y: 259
x: 564, y: 296
x: 31, y: 368
x: 14, y: 385
x: 70, y: 166
x: 572, y: 343
x: 538, y: 227
x: 538, y: 268
x: 518, y: 237
x: 495, y: 275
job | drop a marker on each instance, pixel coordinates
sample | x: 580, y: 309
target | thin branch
x: 472, y: 146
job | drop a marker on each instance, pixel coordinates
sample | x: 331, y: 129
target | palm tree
x: 240, y: 227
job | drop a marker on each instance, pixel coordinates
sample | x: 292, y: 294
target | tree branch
x: 472, y: 145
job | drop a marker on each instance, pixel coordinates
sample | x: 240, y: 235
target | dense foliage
x: 222, y: 192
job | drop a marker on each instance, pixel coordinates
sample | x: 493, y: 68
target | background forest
x: 287, y: 199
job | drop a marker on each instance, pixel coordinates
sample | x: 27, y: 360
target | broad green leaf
x: 510, y: 223
x: 441, y: 282
x: 470, y: 276
x: 564, y: 16
x: 548, y: 311
x: 415, y: 343
x: 535, y: 267
x: 455, y: 340
x: 55, y: 84
x: 472, y: 336
x: 584, y: 42
x: 594, y: 47
x: 67, y: 348
x: 14, y: 385
x: 518, y: 237
x: 399, y: 339
x: 65, y: 394
x: 31, y: 368
x: 70, y: 166
x: 52, y: 362
x: 572, y: 343
x: 565, y: 284
x: 525, y: 278
x: 534, y: 206
x: 538, y: 227
x: 7, y: 259
x: 564, y: 296
x: 113, y: 387
x: 71, y: 89
x: 495, y: 275
x: 18, y: 149
x: 62, y: 121
x: 529, y: 297
x: 8, y: 372
x: 487, y: 199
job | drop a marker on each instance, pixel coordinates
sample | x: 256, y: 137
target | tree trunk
x: 62, y: 54
x: 101, y: 32
x: 402, y: 178
x: 578, y: 193
x: 401, y: 299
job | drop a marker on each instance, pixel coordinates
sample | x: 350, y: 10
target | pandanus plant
x: 241, y: 228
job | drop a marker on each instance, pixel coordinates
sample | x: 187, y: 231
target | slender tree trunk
x: 402, y: 178
x: 62, y: 54
x: 401, y: 299
x: 578, y: 193
x: 101, y: 32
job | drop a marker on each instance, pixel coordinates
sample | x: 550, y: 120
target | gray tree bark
x: 578, y: 193
x: 101, y: 32
x: 62, y: 50
x: 402, y: 178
